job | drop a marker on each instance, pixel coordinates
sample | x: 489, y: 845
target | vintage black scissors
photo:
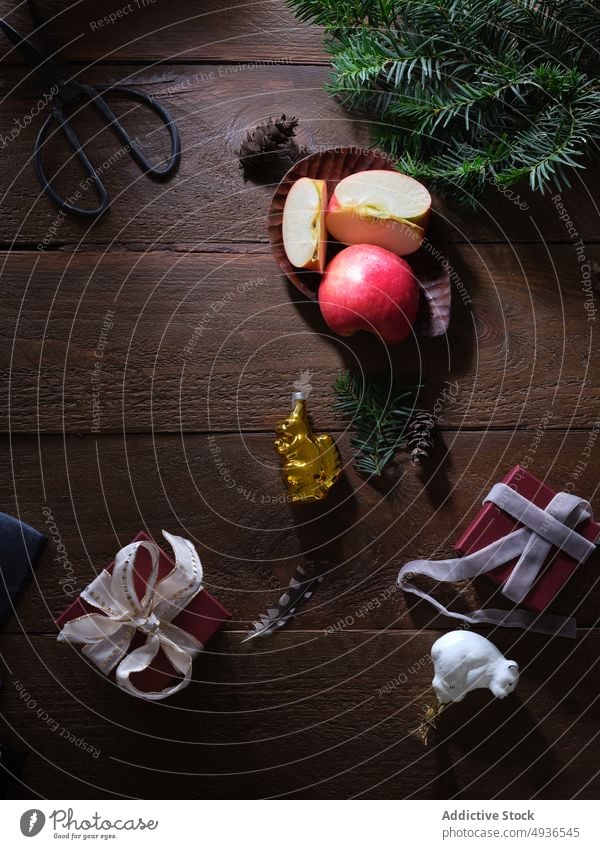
x: 66, y: 91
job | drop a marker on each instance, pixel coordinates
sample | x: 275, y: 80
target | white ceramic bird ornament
x: 465, y: 661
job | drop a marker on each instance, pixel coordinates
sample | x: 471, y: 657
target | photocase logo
x: 32, y: 822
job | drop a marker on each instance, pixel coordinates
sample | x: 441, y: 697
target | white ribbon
x: 107, y: 636
x: 543, y: 529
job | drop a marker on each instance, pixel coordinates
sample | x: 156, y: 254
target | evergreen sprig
x: 471, y: 92
x: 380, y: 409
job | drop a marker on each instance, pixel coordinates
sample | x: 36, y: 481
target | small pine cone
x: 270, y: 149
x: 420, y: 437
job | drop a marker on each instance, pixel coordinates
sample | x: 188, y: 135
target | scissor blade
x: 53, y: 72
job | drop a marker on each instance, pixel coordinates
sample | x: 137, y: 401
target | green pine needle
x: 379, y: 409
x: 472, y: 92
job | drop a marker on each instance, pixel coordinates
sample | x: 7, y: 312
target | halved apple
x: 304, y: 234
x: 383, y: 208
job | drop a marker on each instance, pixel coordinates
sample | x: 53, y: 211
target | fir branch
x: 374, y: 57
x: 472, y: 92
x: 379, y: 409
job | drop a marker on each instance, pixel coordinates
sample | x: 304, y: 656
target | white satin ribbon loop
x: 555, y: 523
x: 552, y: 527
x: 107, y: 637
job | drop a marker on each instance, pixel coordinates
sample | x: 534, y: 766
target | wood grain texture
x: 167, y: 342
x: 92, y: 495
x: 154, y: 31
x: 310, y: 716
x: 208, y: 202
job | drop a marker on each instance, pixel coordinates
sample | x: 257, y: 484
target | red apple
x: 369, y: 288
x: 382, y: 208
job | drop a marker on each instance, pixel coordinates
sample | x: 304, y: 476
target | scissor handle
x: 131, y: 144
x: 58, y: 116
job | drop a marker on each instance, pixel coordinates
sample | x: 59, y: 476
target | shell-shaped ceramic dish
x: 429, y: 262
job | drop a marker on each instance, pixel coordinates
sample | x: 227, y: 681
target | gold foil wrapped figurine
x: 312, y: 463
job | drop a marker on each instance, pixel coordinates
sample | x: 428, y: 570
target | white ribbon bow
x: 531, y: 544
x: 107, y: 636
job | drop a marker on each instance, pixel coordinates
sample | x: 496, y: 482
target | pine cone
x: 420, y: 437
x: 270, y: 150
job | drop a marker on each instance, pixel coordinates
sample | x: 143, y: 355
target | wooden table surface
x: 181, y: 438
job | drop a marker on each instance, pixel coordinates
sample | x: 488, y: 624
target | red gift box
x: 492, y: 523
x: 203, y: 616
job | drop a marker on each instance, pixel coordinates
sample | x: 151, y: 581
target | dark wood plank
x: 309, y: 716
x: 208, y: 203
x: 262, y: 31
x: 91, y: 496
x: 163, y: 341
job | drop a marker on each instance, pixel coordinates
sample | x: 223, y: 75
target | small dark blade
x: 53, y: 72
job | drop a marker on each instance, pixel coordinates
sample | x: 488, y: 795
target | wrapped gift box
x: 492, y: 523
x: 203, y: 616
